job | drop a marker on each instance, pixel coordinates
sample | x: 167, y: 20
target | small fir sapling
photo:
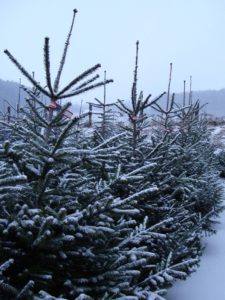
x: 106, y: 114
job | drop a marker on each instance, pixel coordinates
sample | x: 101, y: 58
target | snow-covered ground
x: 208, y: 283
x: 216, y: 130
x: 218, y: 136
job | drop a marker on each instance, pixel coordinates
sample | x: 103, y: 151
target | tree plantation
x: 116, y: 211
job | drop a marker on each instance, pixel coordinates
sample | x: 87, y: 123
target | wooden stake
x: 168, y: 92
x: 184, y: 94
x: 8, y: 114
x: 104, y: 102
x: 18, y: 102
x: 190, y: 92
x: 90, y: 115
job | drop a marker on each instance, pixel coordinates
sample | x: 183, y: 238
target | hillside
x: 9, y: 92
x: 215, y: 99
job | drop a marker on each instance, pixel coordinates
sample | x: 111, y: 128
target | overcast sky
x: 190, y: 34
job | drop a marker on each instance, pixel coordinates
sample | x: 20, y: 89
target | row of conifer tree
x: 117, y: 212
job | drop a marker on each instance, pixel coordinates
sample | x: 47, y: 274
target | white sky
x: 191, y: 34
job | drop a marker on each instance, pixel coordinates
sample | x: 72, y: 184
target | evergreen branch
x: 138, y: 106
x: 26, y: 74
x: 77, y: 79
x: 88, y: 82
x: 63, y: 59
x: 35, y: 112
x: 120, y: 108
x: 160, y: 144
x: 17, y: 159
x: 111, y: 139
x: 100, y: 103
x: 147, y: 99
x: 61, y: 138
x: 142, y: 169
x: 138, y: 195
x: 24, y: 292
x: 44, y: 179
x: 134, y: 86
x: 86, y: 89
x: 6, y: 265
x: 8, y: 288
x: 30, y: 93
x: 47, y: 66
x: 12, y: 181
x: 36, y: 141
x: 172, y: 102
x: 27, y: 114
x: 128, y: 111
x: 158, y: 108
x: 154, y: 100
